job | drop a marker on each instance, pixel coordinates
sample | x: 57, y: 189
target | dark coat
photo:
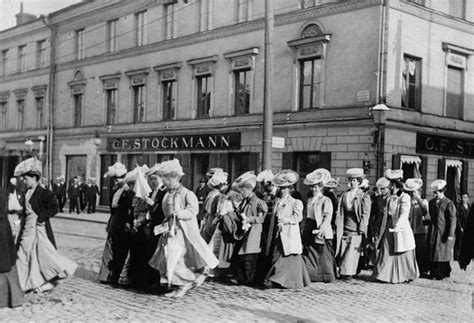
x: 62, y: 189
x: 92, y: 190
x: 122, y: 214
x: 156, y: 211
x: 45, y: 205
x: 74, y: 191
x: 443, y: 225
x: 7, y: 245
x: 256, y: 210
x: 467, y: 245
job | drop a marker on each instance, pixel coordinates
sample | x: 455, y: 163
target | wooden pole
x: 268, y: 87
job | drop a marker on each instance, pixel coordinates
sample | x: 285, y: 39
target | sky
x: 9, y: 8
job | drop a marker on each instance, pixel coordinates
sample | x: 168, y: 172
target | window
x: 78, y: 98
x: 41, y: 54
x: 170, y: 89
x: 420, y: 2
x: 111, y: 103
x: 140, y: 28
x: 205, y: 14
x: 199, y: 168
x: 4, y: 62
x: 3, y: 111
x: 79, y: 46
x: 411, y: 83
x: 21, y: 113
x: 242, y: 92
x: 239, y: 163
x: 244, y: 10
x: 112, y: 35
x: 39, y: 101
x: 170, y: 21
x: 138, y: 103
x: 455, y: 93
x: 204, y: 96
x: 457, y: 8
x: 22, y: 58
x: 312, y: 3
x: 310, y: 84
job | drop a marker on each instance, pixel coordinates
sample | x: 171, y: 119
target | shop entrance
x: 76, y: 165
x: 200, y: 166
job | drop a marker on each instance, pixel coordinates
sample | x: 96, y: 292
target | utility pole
x: 268, y: 87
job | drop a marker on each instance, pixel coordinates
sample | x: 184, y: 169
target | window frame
x: 78, y: 110
x: 237, y: 107
x: 169, y: 112
x: 21, y: 58
x: 418, y: 83
x: 41, y: 54
x: 4, y: 113
x: 21, y: 103
x: 39, y: 112
x: 112, y: 35
x: 140, y: 37
x: 200, y: 105
x: 244, y: 10
x: 111, y: 109
x: 138, y: 108
x: 5, y: 62
x: 462, y: 85
x: 169, y: 21
x: 302, y: 85
x: 79, y: 44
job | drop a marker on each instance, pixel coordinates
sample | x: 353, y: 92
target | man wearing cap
x: 351, y: 224
x: 252, y: 211
x: 441, y: 232
x: 91, y: 191
x: 377, y: 212
x: 74, y: 192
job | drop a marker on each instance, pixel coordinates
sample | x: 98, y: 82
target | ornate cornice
x: 24, y: 75
x: 39, y: 90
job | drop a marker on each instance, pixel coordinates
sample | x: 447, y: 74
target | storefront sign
x: 230, y: 141
x: 441, y: 145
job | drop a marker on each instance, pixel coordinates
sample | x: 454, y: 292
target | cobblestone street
x: 83, y: 299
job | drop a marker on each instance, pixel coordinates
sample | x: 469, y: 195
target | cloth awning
x: 454, y: 163
x: 405, y: 159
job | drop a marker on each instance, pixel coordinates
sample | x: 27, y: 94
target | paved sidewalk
x: 101, y: 217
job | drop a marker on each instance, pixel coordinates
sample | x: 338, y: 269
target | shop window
x: 106, y: 184
x: 138, y: 103
x: 134, y: 160
x: 304, y: 163
x: 78, y: 101
x: 199, y: 168
x: 310, y: 83
x: 239, y: 163
x: 164, y: 157
x: 454, y: 93
x: 413, y: 167
x: 411, y: 83
x: 456, y: 174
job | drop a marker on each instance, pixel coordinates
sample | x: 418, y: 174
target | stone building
x: 144, y: 81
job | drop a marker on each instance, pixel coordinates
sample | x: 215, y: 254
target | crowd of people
x: 254, y: 231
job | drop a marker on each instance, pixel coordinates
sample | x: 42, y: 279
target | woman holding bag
x: 396, y: 261
x: 288, y: 269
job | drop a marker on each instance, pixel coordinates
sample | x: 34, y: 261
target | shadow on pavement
x: 277, y: 317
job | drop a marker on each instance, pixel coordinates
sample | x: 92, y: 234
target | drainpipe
x: 51, y: 97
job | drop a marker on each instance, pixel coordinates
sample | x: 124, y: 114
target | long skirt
x: 11, y: 294
x: 394, y: 267
x: 138, y: 266
x: 318, y: 258
x: 115, y: 254
x: 440, y: 270
x: 351, y: 250
x: 172, y: 259
x: 244, y: 268
x: 422, y: 253
x: 287, y: 271
x: 38, y: 260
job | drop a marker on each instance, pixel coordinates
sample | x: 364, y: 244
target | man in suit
x: 91, y: 192
x: 61, y: 193
x: 73, y: 193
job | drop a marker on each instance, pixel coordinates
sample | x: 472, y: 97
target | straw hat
x: 31, y: 166
x: 153, y: 170
x: 246, y: 178
x: 412, y: 184
x: 365, y: 183
x: 214, y: 170
x: 382, y: 182
x: 217, y: 179
x: 118, y: 170
x: 438, y: 185
x: 265, y: 176
x: 286, y: 177
x: 319, y: 176
x: 171, y: 167
x: 355, y: 173
x: 332, y: 183
x: 393, y: 174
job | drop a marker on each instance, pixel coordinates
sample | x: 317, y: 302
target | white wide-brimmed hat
x: 218, y: 178
x: 438, y: 185
x: 29, y: 166
x: 153, y: 170
x: 265, y: 176
x: 133, y: 174
x: 118, y: 170
x: 332, y: 183
x: 319, y: 176
x: 393, y: 174
x: 246, y: 178
x: 214, y: 170
x: 365, y: 183
x: 382, y: 182
x: 286, y: 177
x: 355, y: 173
x: 171, y: 167
x: 412, y: 184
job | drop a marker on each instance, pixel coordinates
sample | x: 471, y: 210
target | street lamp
x: 379, y: 113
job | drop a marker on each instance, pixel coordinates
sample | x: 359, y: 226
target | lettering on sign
x: 442, y: 145
x: 229, y: 141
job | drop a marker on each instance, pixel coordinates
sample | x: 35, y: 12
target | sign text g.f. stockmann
x: 443, y: 145
x: 227, y: 141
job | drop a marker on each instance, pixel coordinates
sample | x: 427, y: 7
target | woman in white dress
x: 39, y: 264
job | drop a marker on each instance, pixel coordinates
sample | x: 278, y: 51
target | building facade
x: 146, y: 81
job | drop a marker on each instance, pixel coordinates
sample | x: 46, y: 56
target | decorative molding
x: 110, y: 81
x: 208, y: 59
x: 242, y: 53
x: 4, y: 95
x: 24, y: 75
x: 309, y: 41
x: 140, y: 71
x: 110, y: 76
x: 163, y: 67
x: 203, y: 66
x: 39, y: 91
x: 168, y: 72
x: 20, y: 94
x: 138, y: 77
x: 451, y: 48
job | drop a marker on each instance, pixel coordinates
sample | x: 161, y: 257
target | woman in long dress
x: 182, y: 255
x: 39, y: 264
x: 318, y: 253
x: 287, y: 268
x: 351, y: 224
x: 396, y: 261
x: 11, y: 294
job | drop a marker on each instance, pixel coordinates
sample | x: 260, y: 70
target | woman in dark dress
x: 467, y: 244
x: 318, y: 253
x: 10, y: 290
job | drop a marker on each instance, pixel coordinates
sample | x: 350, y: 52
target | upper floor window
x: 41, y: 54
x: 77, y: 86
x: 39, y: 93
x: 4, y: 62
x: 312, y: 3
x: 244, y: 10
x: 78, y: 102
x: 170, y: 21
x: 111, y: 105
x: 455, y: 92
x: 3, y: 111
x: 79, y: 43
x: 457, y: 8
x: 203, y: 95
x: 140, y: 28
x: 21, y: 113
x: 310, y: 83
x: 205, y: 14
x: 22, y: 58
x: 138, y: 97
x: 170, y: 91
x: 112, y: 35
x: 411, y: 83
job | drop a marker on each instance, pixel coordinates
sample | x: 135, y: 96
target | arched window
x: 78, y: 76
x: 312, y: 30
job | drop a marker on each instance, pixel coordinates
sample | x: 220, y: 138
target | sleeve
x: 262, y: 210
x: 191, y: 207
x: 327, y: 211
x: 366, y: 204
x: 405, y: 205
x: 49, y: 205
x: 451, y: 222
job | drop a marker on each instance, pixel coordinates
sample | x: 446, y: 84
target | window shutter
x: 325, y: 160
x: 424, y: 175
x: 442, y: 168
x: 396, y: 162
x: 465, y: 177
x: 287, y: 161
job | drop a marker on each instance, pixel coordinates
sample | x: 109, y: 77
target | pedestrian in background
x: 201, y: 192
x: 441, y: 232
x: 379, y: 203
x: 91, y: 192
x: 396, y: 261
x: 318, y: 253
x: 351, y: 224
x: 73, y: 193
x: 461, y: 215
x: 11, y: 294
x: 82, y: 193
x: 467, y: 245
x: 61, y: 194
x: 287, y: 268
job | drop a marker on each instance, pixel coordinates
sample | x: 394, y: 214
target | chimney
x: 23, y: 17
